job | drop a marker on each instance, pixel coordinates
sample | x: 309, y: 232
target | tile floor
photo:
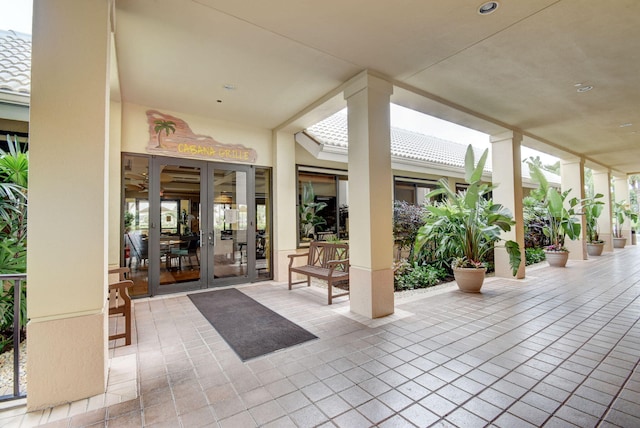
x: 558, y: 349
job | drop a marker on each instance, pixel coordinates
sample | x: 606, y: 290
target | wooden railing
x: 17, y: 313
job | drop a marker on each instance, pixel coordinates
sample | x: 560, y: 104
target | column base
x: 67, y: 360
x: 281, y: 265
x: 371, y: 292
x: 577, y: 249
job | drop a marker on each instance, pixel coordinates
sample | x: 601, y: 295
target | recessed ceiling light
x: 488, y: 7
x: 229, y: 86
x: 585, y: 88
x: 624, y: 125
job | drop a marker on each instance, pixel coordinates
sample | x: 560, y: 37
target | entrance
x: 194, y: 224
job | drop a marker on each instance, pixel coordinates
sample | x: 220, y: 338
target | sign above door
x: 171, y: 135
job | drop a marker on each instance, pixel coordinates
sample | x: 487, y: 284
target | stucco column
x: 621, y: 192
x: 572, y: 178
x: 602, y: 184
x: 505, y: 152
x: 370, y: 197
x: 68, y: 189
x: 115, y: 201
x: 285, y: 214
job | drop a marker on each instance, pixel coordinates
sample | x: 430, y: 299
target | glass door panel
x: 136, y: 222
x: 228, y: 236
x: 192, y: 224
x: 179, y: 227
x: 263, y: 223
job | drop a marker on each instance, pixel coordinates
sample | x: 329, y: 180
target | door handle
x: 211, y: 240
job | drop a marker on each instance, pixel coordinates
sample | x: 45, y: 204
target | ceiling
x: 518, y: 68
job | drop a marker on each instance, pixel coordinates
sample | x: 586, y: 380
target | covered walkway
x: 560, y: 348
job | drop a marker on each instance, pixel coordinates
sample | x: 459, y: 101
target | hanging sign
x: 171, y: 135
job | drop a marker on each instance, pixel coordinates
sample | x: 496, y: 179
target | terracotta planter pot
x: 619, y: 242
x: 595, y: 248
x: 469, y: 280
x: 557, y: 258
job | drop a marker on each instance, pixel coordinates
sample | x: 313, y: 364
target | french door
x: 207, y: 225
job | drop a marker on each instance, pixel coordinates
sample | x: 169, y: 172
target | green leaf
x: 515, y: 256
x: 469, y: 164
x: 473, y: 172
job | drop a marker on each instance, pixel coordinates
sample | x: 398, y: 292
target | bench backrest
x: 321, y: 253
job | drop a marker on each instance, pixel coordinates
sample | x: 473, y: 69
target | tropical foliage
x: 534, y: 255
x: 560, y: 219
x: 468, y: 224
x: 308, y: 211
x: 592, y: 208
x: 14, y: 169
x: 621, y: 211
x: 407, y: 220
x: 409, y: 276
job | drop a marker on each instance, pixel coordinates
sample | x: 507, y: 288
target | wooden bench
x: 120, y: 302
x: 326, y: 261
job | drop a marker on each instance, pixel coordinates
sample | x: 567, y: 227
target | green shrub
x: 534, y: 255
x: 14, y: 173
x: 410, y: 276
x: 407, y: 220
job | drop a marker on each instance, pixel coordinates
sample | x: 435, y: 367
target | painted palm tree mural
x: 168, y: 126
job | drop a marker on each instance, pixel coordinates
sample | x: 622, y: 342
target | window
x: 323, y: 205
x: 413, y: 191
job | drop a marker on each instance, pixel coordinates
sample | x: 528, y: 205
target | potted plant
x: 621, y: 211
x: 560, y: 221
x: 592, y: 208
x: 468, y: 225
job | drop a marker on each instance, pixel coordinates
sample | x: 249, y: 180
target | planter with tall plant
x: 621, y: 211
x: 468, y: 225
x: 560, y: 216
x: 592, y: 209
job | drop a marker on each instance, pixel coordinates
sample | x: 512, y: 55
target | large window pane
x: 136, y: 221
x: 323, y: 206
x: 413, y: 191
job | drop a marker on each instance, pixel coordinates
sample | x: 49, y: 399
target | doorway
x: 191, y: 224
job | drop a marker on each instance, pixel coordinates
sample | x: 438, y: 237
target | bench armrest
x: 121, y: 271
x: 293, y: 256
x: 121, y: 290
x: 333, y: 264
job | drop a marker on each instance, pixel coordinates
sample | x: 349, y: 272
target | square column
x: 68, y: 201
x: 370, y: 197
x: 602, y: 184
x: 285, y: 213
x: 572, y: 179
x: 621, y: 193
x: 505, y: 151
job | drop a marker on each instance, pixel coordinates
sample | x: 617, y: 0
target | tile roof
x: 409, y: 145
x: 405, y: 144
x: 15, y: 63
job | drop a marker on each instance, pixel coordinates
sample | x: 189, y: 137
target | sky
x: 16, y: 15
